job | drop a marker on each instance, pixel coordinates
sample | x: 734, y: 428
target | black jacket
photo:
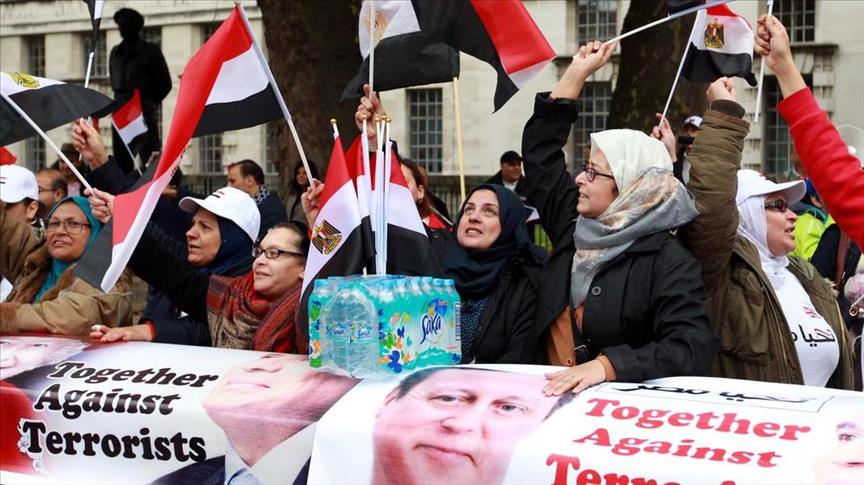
x: 272, y: 212
x: 645, y: 309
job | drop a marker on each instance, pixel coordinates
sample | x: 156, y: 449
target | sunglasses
x: 779, y: 204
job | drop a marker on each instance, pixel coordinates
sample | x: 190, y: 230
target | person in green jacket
x: 777, y: 319
x: 812, y: 221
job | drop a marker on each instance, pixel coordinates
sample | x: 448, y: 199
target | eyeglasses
x: 778, y: 204
x: 591, y: 174
x: 71, y: 227
x: 273, y: 253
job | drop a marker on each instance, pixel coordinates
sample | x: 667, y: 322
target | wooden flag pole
x: 666, y: 19
x: 47, y: 140
x: 459, y: 158
x: 761, y: 75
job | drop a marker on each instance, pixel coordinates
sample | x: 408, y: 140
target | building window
x: 100, y: 57
x: 778, y: 141
x: 799, y: 17
x: 425, y: 126
x: 210, y: 153
x: 269, y: 133
x: 34, y: 153
x: 597, y: 19
x: 595, y: 99
x: 153, y: 35
x: 35, y: 55
x: 210, y: 146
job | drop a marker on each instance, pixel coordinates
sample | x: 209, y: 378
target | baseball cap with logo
x: 232, y: 204
x: 17, y: 183
x: 693, y: 120
x: 752, y: 183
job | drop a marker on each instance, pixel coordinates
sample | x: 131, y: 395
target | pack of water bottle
x: 365, y: 326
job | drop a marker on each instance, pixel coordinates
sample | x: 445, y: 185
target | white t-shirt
x: 511, y: 185
x: 815, y: 340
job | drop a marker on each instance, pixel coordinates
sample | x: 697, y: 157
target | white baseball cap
x: 17, y: 183
x: 693, y: 120
x: 232, y: 204
x: 752, y: 183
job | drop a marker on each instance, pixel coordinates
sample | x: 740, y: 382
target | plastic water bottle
x: 353, y: 325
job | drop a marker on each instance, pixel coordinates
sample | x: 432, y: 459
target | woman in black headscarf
x: 496, y: 268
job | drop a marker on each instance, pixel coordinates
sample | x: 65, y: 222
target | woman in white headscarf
x: 777, y: 318
x: 621, y: 298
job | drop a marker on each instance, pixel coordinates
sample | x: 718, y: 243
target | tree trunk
x: 649, y: 61
x: 312, y: 50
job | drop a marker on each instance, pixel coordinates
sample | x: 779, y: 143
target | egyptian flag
x: 338, y: 246
x: 95, y: 8
x: 404, y: 55
x: 210, y: 74
x: 721, y: 44
x: 409, y: 251
x: 6, y: 157
x: 49, y: 103
x: 244, y: 94
x: 498, y: 32
x: 128, y: 121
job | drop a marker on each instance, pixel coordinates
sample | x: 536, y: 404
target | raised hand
x: 664, y: 133
x: 591, y: 57
x: 88, y: 142
x: 722, y: 88
x: 369, y: 107
x: 101, y: 203
x: 311, y: 201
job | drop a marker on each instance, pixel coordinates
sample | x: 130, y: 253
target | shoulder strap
x: 840, y: 268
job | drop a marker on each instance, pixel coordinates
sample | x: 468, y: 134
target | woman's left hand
x: 575, y: 379
x: 664, y: 133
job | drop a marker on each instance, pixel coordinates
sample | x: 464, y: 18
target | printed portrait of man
x: 267, y: 409
x: 842, y: 462
x: 456, y: 425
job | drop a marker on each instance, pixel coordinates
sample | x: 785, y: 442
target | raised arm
x: 715, y: 159
x: 836, y: 174
x: 550, y: 187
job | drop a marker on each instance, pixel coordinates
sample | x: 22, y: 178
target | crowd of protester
x: 668, y: 260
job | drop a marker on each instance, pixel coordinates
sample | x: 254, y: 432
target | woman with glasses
x: 621, y: 298
x: 252, y: 310
x: 46, y: 295
x: 777, y: 318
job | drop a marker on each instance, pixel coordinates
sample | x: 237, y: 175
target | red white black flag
x: 128, y: 120
x: 498, y: 32
x: 721, y: 44
x: 222, y: 88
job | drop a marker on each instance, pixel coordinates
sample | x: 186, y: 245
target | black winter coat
x: 645, y: 309
x: 272, y: 212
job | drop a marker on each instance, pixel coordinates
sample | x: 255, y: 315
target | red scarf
x: 241, y: 318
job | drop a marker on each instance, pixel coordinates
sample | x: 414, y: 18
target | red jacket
x: 837, y: 175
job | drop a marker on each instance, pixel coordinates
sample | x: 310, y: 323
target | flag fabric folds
x: 676, y: 6
x: 721, y: 44
x: 404, y: 55
x: 50, y: 103
x: 338, y: 246
x: 498, y: 32
x: 95, y: 8
x: 128, y: 120
x: 409, y: 251
x: 218, y: 74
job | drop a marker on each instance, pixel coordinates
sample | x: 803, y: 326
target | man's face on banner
x: 458, y: 426
x: 843, y: 463
x: 20, y: 354
x: 263, y: 386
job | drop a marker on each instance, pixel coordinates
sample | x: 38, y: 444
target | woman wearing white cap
x: 256, y: 310
x: 621, y: 298
x: 219, y: 242
x: 777, y: 318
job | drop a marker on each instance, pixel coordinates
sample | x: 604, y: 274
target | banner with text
x: 133, y: 412
x: 493, y: 424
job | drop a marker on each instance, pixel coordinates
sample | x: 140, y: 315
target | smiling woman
x: 47, y: 296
